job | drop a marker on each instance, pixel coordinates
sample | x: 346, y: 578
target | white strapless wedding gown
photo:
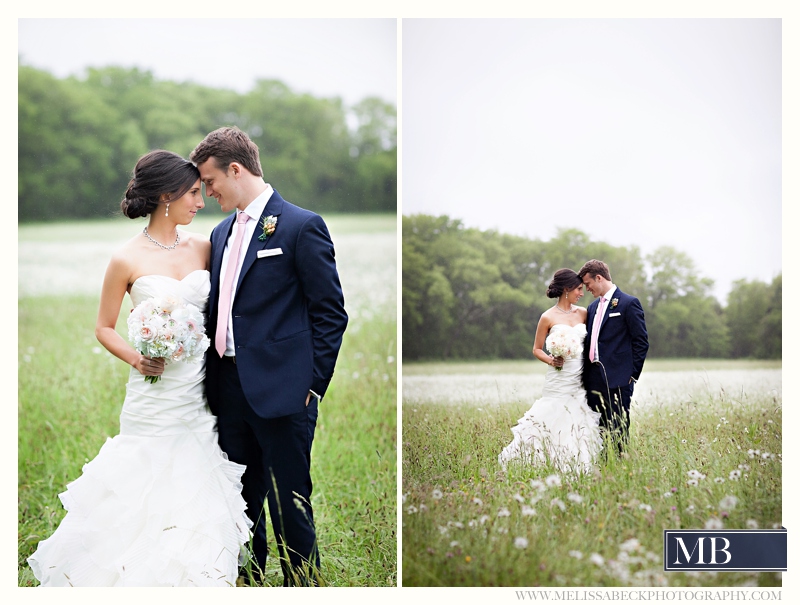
x: 161, y: 504
x: 559, y: 428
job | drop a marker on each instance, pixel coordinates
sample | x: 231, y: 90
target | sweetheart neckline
x: 168, y: 276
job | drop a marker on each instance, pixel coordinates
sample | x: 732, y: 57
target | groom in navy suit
x: 615, y: 349
x: 276, y: 317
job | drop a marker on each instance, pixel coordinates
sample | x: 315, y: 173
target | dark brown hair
x: 594, y: 268
x: 564, y: 279
x: 228, y: 145
x: 155, y: 174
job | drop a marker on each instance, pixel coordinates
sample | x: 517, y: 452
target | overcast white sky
x: 638, y: 132
x: 348, y: 58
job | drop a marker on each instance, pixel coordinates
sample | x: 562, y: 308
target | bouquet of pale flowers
x: 167, y: 328
x: 563, y: 343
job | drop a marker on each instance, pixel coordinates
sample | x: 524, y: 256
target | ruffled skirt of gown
x: 559, y: 428
x: 160, y: 505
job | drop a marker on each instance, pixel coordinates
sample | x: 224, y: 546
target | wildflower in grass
x: 728, y: 502
x: 673, y: 489
x: 557, y: 502
x: 449, y: 555
x: 539, y: 486
x: 734, y: 475
x: 668, y: 494
x: 456, y: 524
x: 683, y: 440
x: 646, y: 508
x: 553, y: 481
x: 411, y: 509
x: 404, y: 497
x: 751, y: 524
x: 573, y: 497
x: 468, y: 558
x: 714, y: 523
x: 576, y: 553
x: 766, y: 455
x: 695, y: 474
x: 528, y: 511
x: 753, y: 453
x: 519, y: 498
x: 422, y: 508
x: 437, y: 494
x: 690, y: 508
x: 454, y: 543
x: 744, y: 467
x: 630, y: 545
x: 521, y: 542
x: 692, y: 483
x: 477, y: 501
x: 503, y: 512
x: 719, y: 480
x: 502, y: 530
x: 484, y: 519
x: 443, y: 529
x: 597, y: 559
x: 473, y: 523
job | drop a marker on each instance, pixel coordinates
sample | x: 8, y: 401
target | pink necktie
x: 226, y: 292
x: 596, y: 327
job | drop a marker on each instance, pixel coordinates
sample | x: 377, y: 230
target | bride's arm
x: 538, y: 344
x: 115, y: 284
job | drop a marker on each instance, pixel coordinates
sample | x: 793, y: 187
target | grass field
x: 71, y: 392
x: 709, y: 458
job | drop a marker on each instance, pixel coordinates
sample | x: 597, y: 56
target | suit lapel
x: 273, y: 207
x: 607, y: 310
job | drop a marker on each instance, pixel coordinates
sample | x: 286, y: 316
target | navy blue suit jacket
x: 288, y: 312
x: 622, y: 342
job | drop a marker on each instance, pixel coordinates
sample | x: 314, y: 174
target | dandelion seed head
x: 553, y: 481
x: 521, y: 542
x: 597, y: 559
x: 437, y: 494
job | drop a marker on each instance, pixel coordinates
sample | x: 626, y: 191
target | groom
x: 276, y: 317
x: 616, y: 345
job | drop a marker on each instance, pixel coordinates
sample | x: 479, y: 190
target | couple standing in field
x: 176, y: 497
x: 595, y: 355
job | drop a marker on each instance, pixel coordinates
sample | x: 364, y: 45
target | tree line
x: 79, y: 139
x: 472, y: 294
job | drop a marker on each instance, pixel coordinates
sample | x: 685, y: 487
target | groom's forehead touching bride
x: 596, y: 277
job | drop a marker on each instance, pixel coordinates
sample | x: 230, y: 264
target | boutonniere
x: 614, y: 303
x: 268, y: 224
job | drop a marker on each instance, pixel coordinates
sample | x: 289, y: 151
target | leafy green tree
x: 754, y: 318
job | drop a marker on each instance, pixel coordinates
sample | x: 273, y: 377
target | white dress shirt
x: 254, y: 210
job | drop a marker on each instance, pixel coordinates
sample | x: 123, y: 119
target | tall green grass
x: 70, y: 396
x: 466, y: 522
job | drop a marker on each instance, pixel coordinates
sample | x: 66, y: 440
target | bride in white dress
x: 161, y: 504
x: 559, y: 428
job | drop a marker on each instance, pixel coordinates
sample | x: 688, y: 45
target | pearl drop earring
x: 167, y: 214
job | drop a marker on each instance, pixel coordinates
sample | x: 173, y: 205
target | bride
x: 559, y: 428
x: 161, y: 504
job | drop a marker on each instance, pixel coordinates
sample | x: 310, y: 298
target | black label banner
x: 725, y: 549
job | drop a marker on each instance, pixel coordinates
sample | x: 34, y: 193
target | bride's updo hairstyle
x: 155, y: 174
x: 564, y: 279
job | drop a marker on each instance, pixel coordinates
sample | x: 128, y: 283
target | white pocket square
x: 614, y: 314
x: 269, y: 252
